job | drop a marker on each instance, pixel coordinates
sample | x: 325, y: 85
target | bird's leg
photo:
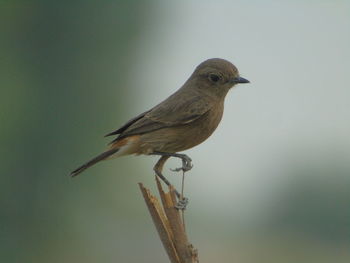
x: 158, y: 170
x: 183, y: 201
x: 186, y: 161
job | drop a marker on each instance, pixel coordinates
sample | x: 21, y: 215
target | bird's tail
x: 102, y: 156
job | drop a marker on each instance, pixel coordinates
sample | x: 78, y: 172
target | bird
x: 183, y: 120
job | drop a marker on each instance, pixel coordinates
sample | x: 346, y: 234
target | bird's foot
x: 182, y: 204
x: 186, y: 164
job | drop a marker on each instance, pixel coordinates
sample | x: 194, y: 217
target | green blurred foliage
x: 62, y: 65
x: 314, y: 203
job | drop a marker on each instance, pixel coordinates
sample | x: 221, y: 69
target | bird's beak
x: 239, y: 80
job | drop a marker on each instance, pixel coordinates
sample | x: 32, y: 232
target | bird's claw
x: 182, y: 204
x: 186, y: 166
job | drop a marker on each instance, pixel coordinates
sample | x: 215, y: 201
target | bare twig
x: 170, y: 225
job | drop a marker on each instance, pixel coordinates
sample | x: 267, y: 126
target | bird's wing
x: 171, y: 112
x: 176, y: 111
x: 127, y: 125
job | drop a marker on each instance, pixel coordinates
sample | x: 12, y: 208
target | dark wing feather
x: 180, y: 111
x: 127, y: 125
x: 171, y: 112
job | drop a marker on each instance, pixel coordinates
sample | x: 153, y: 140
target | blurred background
x: 272, y: 183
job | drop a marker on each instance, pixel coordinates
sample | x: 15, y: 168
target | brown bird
x: 182, y: 121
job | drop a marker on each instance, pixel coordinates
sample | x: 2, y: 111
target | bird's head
x: 217, y: 76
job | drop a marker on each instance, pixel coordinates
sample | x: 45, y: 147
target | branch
x: 170, y: 226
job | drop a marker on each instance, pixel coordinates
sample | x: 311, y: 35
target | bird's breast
x: 204, y: 126
x: 187, y: 136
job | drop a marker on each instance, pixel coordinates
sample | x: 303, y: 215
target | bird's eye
x: 214, y: 78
